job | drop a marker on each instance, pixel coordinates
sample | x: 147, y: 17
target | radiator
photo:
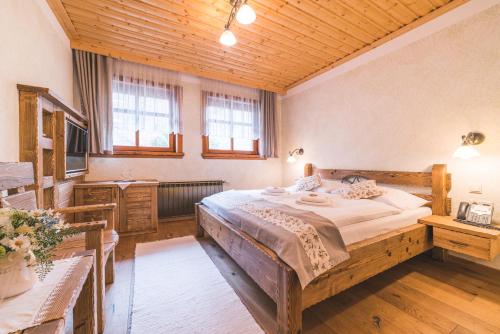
x: 177, y: 199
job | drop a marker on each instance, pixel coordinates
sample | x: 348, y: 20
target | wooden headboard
x: 438, y: 180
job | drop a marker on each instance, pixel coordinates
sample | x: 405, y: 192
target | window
x: 144, y: 116
x: 231, y: 126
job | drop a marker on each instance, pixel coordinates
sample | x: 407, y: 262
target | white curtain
x: 146, y: 104
x: 229, y: 111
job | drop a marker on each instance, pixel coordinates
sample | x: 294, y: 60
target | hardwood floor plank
x: 419, y: 296
x: 406, y: 303
x: 444, y: 304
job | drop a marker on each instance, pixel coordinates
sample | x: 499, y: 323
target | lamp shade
x: 227, y: 38
x: 291, y: 159
x: 466, y: 152
x: 245, y: 15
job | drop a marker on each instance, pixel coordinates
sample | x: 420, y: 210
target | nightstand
x: 447, y: 234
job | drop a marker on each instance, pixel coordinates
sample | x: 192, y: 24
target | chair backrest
x: 14, y: 177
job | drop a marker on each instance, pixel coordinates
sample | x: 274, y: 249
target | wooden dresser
x: 137, y: 203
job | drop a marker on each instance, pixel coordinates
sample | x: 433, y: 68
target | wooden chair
x: 98, y: 235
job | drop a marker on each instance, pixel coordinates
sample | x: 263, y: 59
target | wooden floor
x: 419, y: 296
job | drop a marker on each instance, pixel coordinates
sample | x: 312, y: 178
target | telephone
x: 475, y: 212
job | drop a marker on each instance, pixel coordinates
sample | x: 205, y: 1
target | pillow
x: 361, y: 190
x: 329, y: 186
x: 400, y: 199
x: 308, y: 183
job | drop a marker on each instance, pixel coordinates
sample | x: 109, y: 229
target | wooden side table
x: 78, y: 294
x: 447, y: 234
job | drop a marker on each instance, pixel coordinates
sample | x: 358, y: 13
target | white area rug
x: 178, y: 290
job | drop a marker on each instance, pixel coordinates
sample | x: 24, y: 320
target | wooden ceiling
x: 290, y: 42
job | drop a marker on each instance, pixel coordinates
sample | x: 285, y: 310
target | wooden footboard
x: 280, y: 282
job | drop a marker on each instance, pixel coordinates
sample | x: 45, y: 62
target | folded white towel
x: 275, y: 190
x: 314, y: 198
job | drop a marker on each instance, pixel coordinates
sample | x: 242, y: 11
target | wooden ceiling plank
x: 373, y: 13
x: 188, y: 57
x: 438, y: 12
x: 439, y: 3
x: 169, y: 60
x: 107, y: 7
x: 329, y: 17
x: 419, y: 7
x: 82, y: 15
x: 62, y: 17
x: 144, y: 59
x: 271, y: 25
x: 306, y: 29
x: 271, y: 19
x: 250, y: 62
x: 396, y: 10
x: 198, y: 11
x: 354, y: 17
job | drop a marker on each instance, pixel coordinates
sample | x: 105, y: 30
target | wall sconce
x: 291, y: 155
x: 467, y: 149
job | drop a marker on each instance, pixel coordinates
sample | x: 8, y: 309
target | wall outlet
x: 476, y: 189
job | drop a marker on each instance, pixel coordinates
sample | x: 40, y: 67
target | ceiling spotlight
x: 246, y: 14
x: 227, y: 38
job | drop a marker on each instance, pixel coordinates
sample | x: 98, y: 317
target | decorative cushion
x: 360, y: 190
x: 328, y: 186
x: 400, y: 199
x: 308, y: 183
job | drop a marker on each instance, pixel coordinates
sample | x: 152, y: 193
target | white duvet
x: 342, y: 212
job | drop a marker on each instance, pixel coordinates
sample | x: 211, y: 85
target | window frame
x: 208, y: 153
x: 174, y: 149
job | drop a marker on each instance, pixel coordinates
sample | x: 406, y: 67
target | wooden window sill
x: 132, y: 154
x: 232, y: 156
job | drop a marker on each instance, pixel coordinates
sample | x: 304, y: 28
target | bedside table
x: 447, y: 234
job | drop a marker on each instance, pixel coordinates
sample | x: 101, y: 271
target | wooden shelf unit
x: 39, y: 142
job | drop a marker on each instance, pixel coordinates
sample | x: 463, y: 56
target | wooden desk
x: 77, y: 295
x: 474, y: 241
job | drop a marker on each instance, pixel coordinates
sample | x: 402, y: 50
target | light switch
x: 476, y: 189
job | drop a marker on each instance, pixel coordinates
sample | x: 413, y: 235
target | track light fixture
x: 243, y: 13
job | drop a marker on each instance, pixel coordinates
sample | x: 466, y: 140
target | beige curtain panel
x: 269, y: 125
x: 93, y: 80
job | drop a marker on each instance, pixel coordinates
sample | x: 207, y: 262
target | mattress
x: 372, y: 228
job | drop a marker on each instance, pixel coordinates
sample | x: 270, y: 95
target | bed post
x: 289, y: 301
x: 308, y: 170
x: 200, y: 232
x: 440, y: 189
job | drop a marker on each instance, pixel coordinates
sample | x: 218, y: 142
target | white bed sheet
x: 371, y: 228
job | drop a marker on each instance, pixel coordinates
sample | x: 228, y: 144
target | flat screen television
x: 76, y: 148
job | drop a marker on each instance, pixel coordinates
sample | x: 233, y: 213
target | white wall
x: 238, y: 173
x: 408, y: 109
x: 34, y: 51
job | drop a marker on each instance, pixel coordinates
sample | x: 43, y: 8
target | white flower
x: 21, y: 242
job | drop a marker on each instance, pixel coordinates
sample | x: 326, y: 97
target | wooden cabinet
x: 137, y: 203
x: 138, y: 207
x: 478, y: 242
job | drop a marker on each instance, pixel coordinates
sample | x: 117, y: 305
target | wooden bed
x: 368, y: 257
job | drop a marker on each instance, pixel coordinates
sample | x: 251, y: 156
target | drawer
x: 472, y: 245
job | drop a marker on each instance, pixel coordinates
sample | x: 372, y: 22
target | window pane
x: 154, y: 131
x: 219, y: 143
x: 123, y: 129
x: 241, y: 144
x: 137, y: 107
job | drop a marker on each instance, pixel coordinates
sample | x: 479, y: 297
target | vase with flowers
x: 27, y: 239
